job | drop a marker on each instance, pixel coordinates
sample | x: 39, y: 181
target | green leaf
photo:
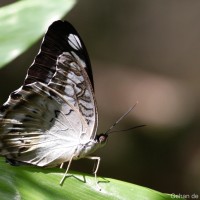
x: 28, y: 182
x: 24, y: 22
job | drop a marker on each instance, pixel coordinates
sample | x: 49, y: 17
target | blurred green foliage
x: 24, y: 22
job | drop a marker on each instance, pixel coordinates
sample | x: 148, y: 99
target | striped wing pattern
x: 53, y: 115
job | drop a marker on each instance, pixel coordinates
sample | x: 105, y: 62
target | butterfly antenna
x: 128, y: 129
x: 122, y: 117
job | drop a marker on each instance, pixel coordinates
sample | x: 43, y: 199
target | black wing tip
x: 60, y: 22
x: 62, y: 25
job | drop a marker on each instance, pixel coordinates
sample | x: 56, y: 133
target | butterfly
x: 52, y: 118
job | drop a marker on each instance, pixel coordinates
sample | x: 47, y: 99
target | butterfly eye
x: 102, y: 138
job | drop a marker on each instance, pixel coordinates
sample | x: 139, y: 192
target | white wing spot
x: 74, y: 41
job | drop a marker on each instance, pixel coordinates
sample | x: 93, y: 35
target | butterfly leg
x: 69, y: 163
x: 61, y: 166
x: 98, y: 159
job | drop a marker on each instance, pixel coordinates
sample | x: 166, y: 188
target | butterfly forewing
x: 45, y: 120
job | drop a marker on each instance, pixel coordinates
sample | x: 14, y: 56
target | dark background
x: 146, y: 51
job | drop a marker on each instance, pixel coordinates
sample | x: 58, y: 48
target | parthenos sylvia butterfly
x: 52, y: 118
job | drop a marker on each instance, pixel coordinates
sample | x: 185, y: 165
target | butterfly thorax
x: 91, y: 146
